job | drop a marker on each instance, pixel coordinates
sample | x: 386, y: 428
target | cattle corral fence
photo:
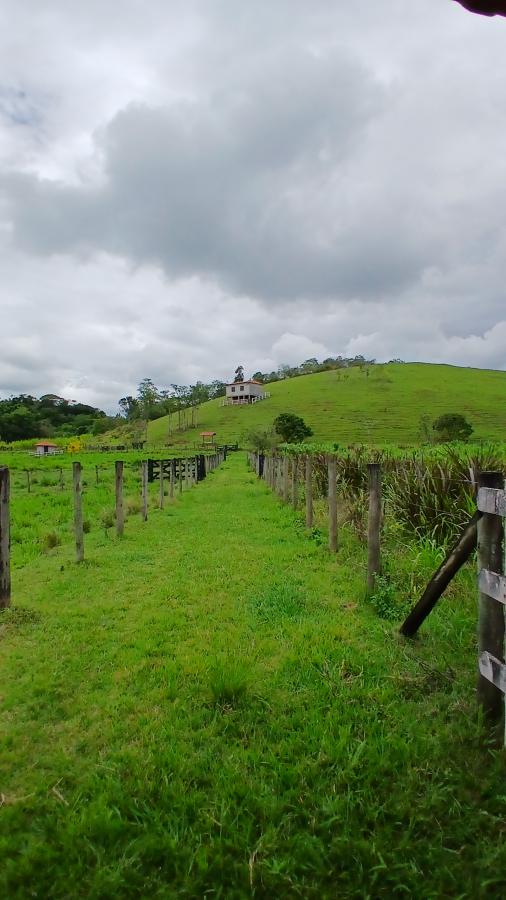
x: 484, y: 531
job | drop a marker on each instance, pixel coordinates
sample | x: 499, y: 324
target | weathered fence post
x: 172, y: 478
x: 120, y: 516
x: 161, y: 485
x: 374, y: 528
x: 295, y: 483
x: 5, y: 541
x: 28, y: 482
x: 78, y: 511
x: 144, y: 490
x: 332, y: 500
x: 180, y: 476
x: 96, y: 474
x: 309, y: 492
x: 490, y: 611
x: 61, y: 480
x: 286, y: 478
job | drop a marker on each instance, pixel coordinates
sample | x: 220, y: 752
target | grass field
x: 380, y: 404
x: 209, y: 707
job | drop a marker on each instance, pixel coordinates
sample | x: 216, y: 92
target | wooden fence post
x: 144, y: 490
x: 374, y: 527
x: 161, y: 485
x: 490, y: 611
x: 96, y: 474
x: 28, y: 482
x: 5, y: 541
x: 180, y: 477
x: 78, y: 511
x: 172, y: 478
x: 286, y: 478
x: 309, y: 491
x: 61, y: 480
x: 332, y: 500
x: 120, y: 515
x: 295, y: 483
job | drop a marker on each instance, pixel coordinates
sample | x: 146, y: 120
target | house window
x: 233, y: 390
x: 242, y: 387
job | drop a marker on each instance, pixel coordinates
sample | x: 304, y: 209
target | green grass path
x: 209, y: 708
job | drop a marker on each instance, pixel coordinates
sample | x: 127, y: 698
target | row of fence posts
x: 182, y: 472
x: 281, y: 473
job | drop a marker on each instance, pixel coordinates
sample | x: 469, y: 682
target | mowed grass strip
x: 208, y: 707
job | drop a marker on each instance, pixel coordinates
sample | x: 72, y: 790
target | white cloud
x: 185, y: 188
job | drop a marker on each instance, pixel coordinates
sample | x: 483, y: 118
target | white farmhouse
x: 239, y: 392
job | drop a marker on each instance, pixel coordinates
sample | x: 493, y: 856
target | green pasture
x: 208, y: 707
x: 377, y: 404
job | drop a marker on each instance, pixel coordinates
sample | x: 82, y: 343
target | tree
x: 239, y: 374
x: 291, y: 428
x: 452, y: 427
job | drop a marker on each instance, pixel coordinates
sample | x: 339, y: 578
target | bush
x: 291, y: 428
x: 452, y: 427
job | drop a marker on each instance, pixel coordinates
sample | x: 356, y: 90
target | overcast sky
x: 189, y: 185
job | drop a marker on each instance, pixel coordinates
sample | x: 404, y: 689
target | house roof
x: 45, y: 444
x: 207, y: 433
x: 250, y: 381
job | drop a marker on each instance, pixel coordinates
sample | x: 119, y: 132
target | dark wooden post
x: 144, y: 490
x: 28, y: 482
x: 96, y: 474
x: 332, y: 499
x: 374, y: 529
x: 172, y: 478
x: 120, y: 515
x: 295, y: 484
x: 180, y: 477
x: 78, y: 511
x: 61, y: 480
x: 161, y: 485
x: 490, y: 611
x: 309, y: 492
x: 5, y: 540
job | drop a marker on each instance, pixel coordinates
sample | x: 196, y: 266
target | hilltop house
x: 46, y: 448
x: 242, y: 392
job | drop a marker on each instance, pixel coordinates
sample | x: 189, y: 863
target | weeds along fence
x: 448, y: 497
x: 173, y: 476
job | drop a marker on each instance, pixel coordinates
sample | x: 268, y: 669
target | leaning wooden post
x: 490, y: 611
x: 78, y: 511
x: 309, y: 492
x: 144, y: 490
x: 5, y: 540
x: 332, y: 500
x: 120, y: 514
x: 374, y: 528
x: 295, y: 483
x: 161, y: 485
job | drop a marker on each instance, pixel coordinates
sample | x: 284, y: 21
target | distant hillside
x: 379, y: 404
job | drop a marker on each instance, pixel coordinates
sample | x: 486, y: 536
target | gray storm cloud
x: 264, y: 180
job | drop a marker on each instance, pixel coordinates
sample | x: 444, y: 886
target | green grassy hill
x: 381, y: 404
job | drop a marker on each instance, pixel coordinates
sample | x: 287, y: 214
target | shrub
x: 291, y: 428
x: 452, y: 427
x: 51, y: 540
